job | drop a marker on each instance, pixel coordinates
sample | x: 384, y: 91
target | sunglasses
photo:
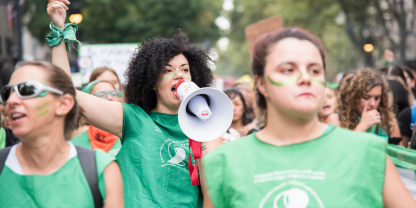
x: 28, y: 89
x: 112, y: 93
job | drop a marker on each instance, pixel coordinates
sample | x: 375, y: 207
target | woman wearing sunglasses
x: 44, y: 170
x: 154, y: 156
x: 295, y: 160
x: 95, y: 138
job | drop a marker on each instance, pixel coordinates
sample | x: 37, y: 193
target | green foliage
x: 121, y: 21
x: 317, y: 16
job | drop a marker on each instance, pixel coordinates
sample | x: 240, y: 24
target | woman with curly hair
x: 364, y: 105
x: 295, y: 160
x: 153, y: 159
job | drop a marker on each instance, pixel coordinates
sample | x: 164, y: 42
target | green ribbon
x: 68, y: 34
x: 293, y: 80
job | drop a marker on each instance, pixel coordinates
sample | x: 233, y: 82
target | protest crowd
x: 293, y: 140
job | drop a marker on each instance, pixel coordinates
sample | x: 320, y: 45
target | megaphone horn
x: 205, y: 113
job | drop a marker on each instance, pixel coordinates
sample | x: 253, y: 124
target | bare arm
x: 113, y: 186
x: 105, y: 115
x: 395, y: 194
x: 405, y: 141
x: 396, y: 130
x: 210, y: 146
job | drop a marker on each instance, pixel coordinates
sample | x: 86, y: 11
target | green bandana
x: 68, y: 34
x: 88, y: 88
x: 402, y: 157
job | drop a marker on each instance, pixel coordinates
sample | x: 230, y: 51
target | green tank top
x: 341, y: 168
x: 83, y: 140
x: 67, y: 187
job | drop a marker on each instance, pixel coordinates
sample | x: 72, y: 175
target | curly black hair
x: 148, y: 62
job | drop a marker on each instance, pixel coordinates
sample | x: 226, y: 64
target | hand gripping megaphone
x: 204, y: 115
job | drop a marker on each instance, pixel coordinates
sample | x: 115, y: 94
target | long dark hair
x: 394, y: 71
x: 400, y: 96
x: 231, y: 93
x: 150, y: 59
x: 60, y: 80
x: 261, y: 50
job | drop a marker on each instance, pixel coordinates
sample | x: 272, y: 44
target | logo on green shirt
x: 290, y: 195
x: 174, y: 153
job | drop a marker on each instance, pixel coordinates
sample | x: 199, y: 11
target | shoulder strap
x: 413, y: 119
x: 3, y: 156
x: 89, y: 167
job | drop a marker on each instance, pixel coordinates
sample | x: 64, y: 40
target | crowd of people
x: 295, y: 140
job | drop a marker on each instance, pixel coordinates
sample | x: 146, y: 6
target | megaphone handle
x: 197, y: 152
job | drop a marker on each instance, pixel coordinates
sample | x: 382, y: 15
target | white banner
x: 115, y: 56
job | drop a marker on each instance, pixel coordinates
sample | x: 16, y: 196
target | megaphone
x: 205, y: 113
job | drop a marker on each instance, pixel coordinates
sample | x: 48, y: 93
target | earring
x: 58, y: 112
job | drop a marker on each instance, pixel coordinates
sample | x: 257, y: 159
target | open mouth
x: 17, y: 116
x: 173, y: 89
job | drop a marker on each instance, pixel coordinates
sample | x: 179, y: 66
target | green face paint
x: 293, y: 80
x: 41, y: 106
x: 318, y: 81
x: 43, y: 113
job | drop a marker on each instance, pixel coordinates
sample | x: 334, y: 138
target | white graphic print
x: 179, y: 156
x: 289, y: 174
x: 292, y: 194
x: 174, y: 153
x: 158, y: 130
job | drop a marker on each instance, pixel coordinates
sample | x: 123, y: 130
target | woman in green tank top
x: 364, y: 105
x: 44, y: 169
x: 295, y: 160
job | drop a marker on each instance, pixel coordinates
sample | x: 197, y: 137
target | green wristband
x: 68, y: 34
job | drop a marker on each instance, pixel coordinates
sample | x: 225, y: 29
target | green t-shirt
x: 83, y: 140
x: 154, y: 161
x: 341, y: 168
x: 67, y: 187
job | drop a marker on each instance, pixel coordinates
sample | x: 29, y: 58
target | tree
x: 375, y: 20
x: 121, y: 21
x: 317, y: 16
